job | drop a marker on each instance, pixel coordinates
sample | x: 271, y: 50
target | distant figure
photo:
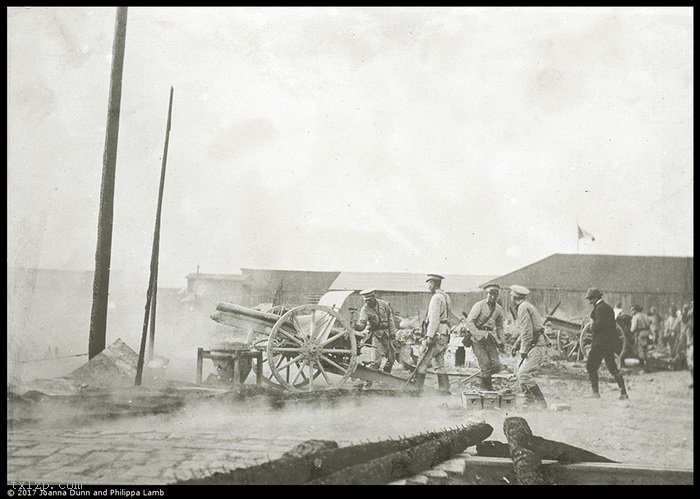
x: 656, y: 325
x: 530, y: 343
x: 688, y: 331
x: 376, y: 316
x: 437, y: 328
x: 618, y: 309
x: 485, y: 323
x: 624, y: 321
x: 672, y: 328
x: 679, y: 354
x: 641, y: 330
x: 603, y: 342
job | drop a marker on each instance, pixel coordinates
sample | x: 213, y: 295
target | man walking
x: 437, y: 335
x: 641, y: 330
x: 378, y: 318
x: 603, y: 342
x: 530, y: 343
x: 485, y: 323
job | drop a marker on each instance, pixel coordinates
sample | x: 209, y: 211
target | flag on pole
x: 582, y: 234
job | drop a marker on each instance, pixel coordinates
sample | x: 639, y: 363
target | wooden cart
x: 573, y: 338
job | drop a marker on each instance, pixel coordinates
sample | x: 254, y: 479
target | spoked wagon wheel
x: 310, y: 348
x: 569, y: 345
x: 586, y: 337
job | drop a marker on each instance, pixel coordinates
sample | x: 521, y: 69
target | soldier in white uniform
x: 437, y: 330
x: 530, y: 343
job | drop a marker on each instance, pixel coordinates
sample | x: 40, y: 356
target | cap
x: 492, y: 286
x: 519, y: 290
x: 434, y: 277
x: 593, y: 293
x: 367, y: 293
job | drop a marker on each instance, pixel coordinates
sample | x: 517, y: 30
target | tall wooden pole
x: 103, y: 254
x: 153, y: 279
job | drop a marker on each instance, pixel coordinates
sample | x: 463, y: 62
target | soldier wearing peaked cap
x: 377, y: 317
x: 437, y: 335
x: 603, y: 342
x: 485, y: 323
x: 530, y: 343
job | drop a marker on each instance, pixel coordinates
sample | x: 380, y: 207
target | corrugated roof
x: 618, y: 273
x: 401, y: 282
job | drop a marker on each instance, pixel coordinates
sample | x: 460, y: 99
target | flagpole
x: 577, y: 238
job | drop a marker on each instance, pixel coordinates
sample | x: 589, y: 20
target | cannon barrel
x: 558, y: 323
x: 247, y: 312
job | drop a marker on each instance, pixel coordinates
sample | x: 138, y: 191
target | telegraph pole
x: 153, y: 280
x: 103, y: 254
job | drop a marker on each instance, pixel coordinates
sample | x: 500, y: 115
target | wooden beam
x: 479, y: 470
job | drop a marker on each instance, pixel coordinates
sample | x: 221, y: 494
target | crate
x: 471, y: 400
x: 507, y: 401
x: 490, y: 400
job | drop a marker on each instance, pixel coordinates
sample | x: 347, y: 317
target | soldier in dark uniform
x: 603, y: 343
x: 377, y: 317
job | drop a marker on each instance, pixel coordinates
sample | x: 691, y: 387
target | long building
x: 408, y: 292
x: 658, y: 281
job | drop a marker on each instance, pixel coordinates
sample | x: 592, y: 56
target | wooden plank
x: 493, y: 470
x: 617, y: 474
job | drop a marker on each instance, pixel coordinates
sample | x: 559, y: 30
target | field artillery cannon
x: 305, y: 348
x: 573, y: 338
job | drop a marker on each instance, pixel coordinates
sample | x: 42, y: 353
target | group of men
x: 644, y: 331
x: 485, y: 327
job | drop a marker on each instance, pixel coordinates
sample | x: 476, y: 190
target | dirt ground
x: 654, y: 427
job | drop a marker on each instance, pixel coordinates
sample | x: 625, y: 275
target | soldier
x: 688, y: 331
x: 603, y: 343
x: 485, y: 322
x: 530, y: 343
x: 437, y: 335
x: 656, y: 323
x: 641, y: 330
x: 376, y: 315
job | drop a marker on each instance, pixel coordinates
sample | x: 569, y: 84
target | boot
x: 444, y: 384
x: 486, y: 381
x: 594, y: 387
x: 539, y: 397
x: 621, y: 383
x: 530, y: 398
x: 387, y: 367
x: 419, y: 381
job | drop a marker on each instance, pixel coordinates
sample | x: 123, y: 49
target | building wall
x: 407, y: 304
x: 574, y: 304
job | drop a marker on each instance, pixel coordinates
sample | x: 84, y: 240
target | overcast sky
x: 450, y: 140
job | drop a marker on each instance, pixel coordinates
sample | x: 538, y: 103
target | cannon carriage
x: 304, y: 348
x: 573, y: 338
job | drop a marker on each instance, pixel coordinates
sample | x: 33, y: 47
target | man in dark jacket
x: 603, y: 342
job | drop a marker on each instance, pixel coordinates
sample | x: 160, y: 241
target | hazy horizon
x: 455, y: 140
